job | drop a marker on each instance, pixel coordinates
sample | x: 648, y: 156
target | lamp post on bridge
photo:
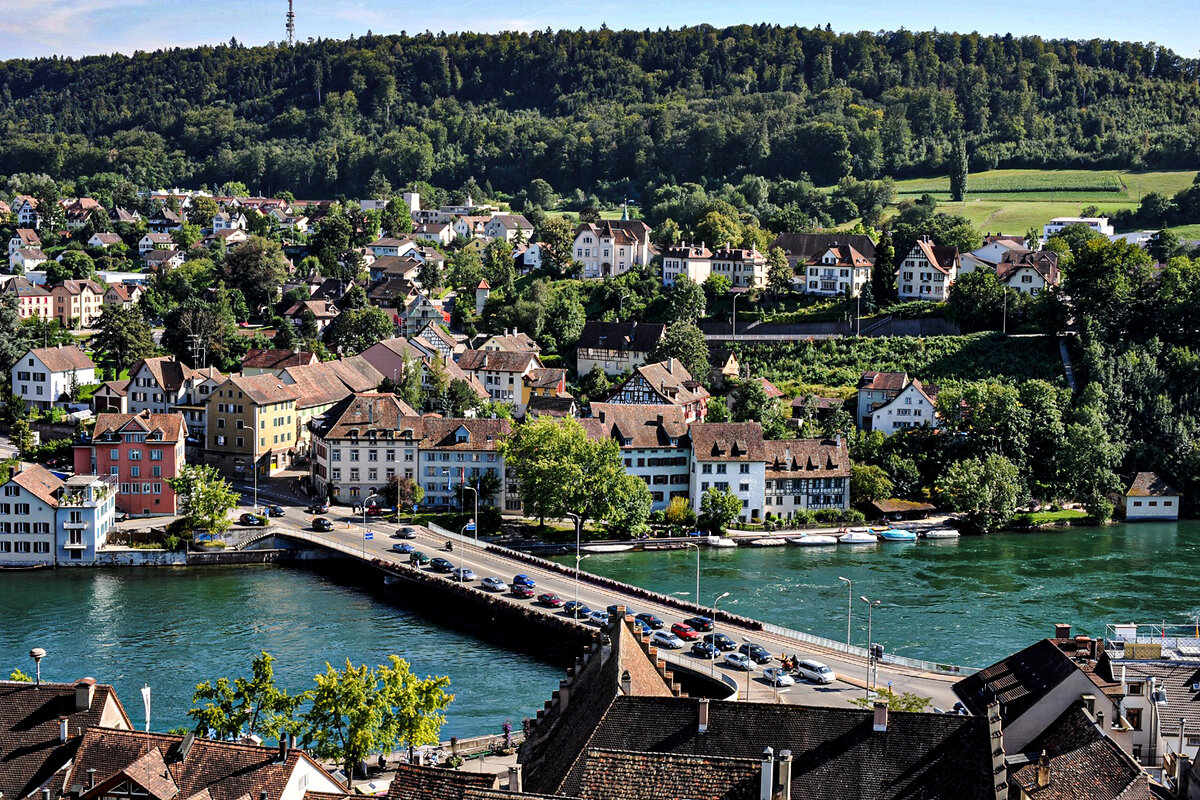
x: 366, y: 530
x: 870, y: 647
x: 849, y: 605
x: 716, y: 600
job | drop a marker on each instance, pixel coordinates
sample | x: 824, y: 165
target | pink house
x: 142, y: 451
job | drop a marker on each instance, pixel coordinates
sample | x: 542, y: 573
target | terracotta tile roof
x: 883, y: 381
x: 621, y: 231
x: 160, y: 256
x: 439, y: 331
x: 513, y: 342
x: 894, y: 506
x: 30, y: 749
x: 388, y: 241
x: 277, y: 359
x: 942, y: 258
x: 28, y: 237
x: 518, y: 362
x: 108, y: 238
x: 262, y: 389
x: 1177, y: 680
x: 688, y: 251
x: 483, y: 434
x: 1043, y: 262
x: 74, y: 287
x: 512, y: 221
x: 383, y: 413
x: 643, y: 426
x: 807, y: 458
x: 165, y: 370
x: 21, y: 286
x: 546, y: 378
x: 805, y: 245
x: 1083, y: 763
x: 329, y: 381
x: 119, y: 388
x: 172, y: 426
x: 624, y: 336
x: 1148, y: 484
x: 227, y: 771
x: 321, y: 309
x: 728, y: 441
x: 738, y: 254
x: 413, y: 782
x: 63, y: 359
x: 671, y: 381
x: 845, y: 256
x: 624, y: 775
x: 332, y: 289
x: 387, y: 289
x: 159, y: 238
x: 541, y: 405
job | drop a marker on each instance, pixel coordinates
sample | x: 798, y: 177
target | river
x: 967, y: 601
x: 173, y: 628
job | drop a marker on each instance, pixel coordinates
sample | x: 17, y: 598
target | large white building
x: 693, y: 261
x: 838, y: 271
x: 1100, y: 225
x: 611, y: 247
x: 654, y: 445
x: 45, y: 374
x: 47, y: 521
x: 730, y: 457
x: 927, y: 272
x: 744, y: 268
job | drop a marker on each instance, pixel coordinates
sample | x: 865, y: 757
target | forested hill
x: 604, y: 110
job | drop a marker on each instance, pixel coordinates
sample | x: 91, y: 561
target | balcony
x: 74, y: 546
x: 75, y: 526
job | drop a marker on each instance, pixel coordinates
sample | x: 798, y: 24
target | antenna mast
x: 291, y: 24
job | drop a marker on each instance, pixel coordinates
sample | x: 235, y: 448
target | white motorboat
x: 769, y: 542
x: 721, y: 541
x: 942, y: 533
x: 606, y: 548
x: 858, y: 536
x: 813, y: 540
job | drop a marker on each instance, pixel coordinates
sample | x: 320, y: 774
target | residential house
x: 1151, y: 498
x: 41, y: 726
x: 225, y: 220
x: 509, y: 227
x: 165, y: 220
x: 445, y: 343
x: 141, y: 452
x: 744, y: 268
x: 730, y: 457
x: 801, y: 248
x: 527, y: 257
x: 611, y: 247
x: 439, y: 232
x: 404, y: 268
x: 560, y: 407
x: 157, y: 384
x: 388, y: 356
x: 542, y: 383
x: 155, y: 241
x: 45, y: 374
x: 251, y: 425
x: 654, y: 444
x: 391, y: 246
x: 418, y: 312
x: 467, y: 209
x: 111, y: 764
x: 502, y: 373
x: 258, y: 362
x: 470, y: 227
x: 806, y: 475
x: 891, y: 402
x: 454, y: 451
x: 319, y: 386
x: 1100, y: 225
x: 77, y: 303
x: 927, y: 272
x: 616, y: 347
x: 111, y: 397
x: 361, y: 443
x: 32, y: 300
x: 1029, y: 272
x: 5, y: 210
x: 123, y: 295
x: 664, y: 383
x: 119, y: 214
x: 876, y: 389
x: 78, y: 212
x: 510, y: 341
x: 995, y: 246
x: 45, y: 520
x: 25, y: 208
x: 162, y: 260
x: 838, y: 271
x: 232, y: 237
x: 24, y: 239
x: 27, y: 259
x: 102, y: 241
x: 323, y: 313
x: 693, y: 261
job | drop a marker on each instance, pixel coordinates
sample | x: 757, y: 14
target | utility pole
x: 291, y: 24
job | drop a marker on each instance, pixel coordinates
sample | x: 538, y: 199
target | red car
x: 374, y: 511
x: 550, y: 599
x: 684, y: 632
x: 524, y: 592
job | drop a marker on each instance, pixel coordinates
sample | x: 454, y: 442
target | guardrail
x: 861, y: 652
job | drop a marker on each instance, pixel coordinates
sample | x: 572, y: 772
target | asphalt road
x: 851, y: 672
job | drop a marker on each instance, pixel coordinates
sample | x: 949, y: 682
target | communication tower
x: 291, y: 24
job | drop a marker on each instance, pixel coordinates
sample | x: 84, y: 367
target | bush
x: 172, y: 542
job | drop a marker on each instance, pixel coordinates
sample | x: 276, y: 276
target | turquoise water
x: 173, y: 628
x: 967, y: 601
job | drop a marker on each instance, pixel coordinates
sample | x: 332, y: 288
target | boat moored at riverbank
x: 858, y: 536
x: 898, y: 535
x: 941, y: 533
x: 813, y: 540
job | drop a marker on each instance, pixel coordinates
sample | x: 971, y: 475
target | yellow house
x: 251, y: 420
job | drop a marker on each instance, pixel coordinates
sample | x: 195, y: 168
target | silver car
x: 815, y: 671
x: 463, y: 574
x: 493, y: 584
x: 666, y: 639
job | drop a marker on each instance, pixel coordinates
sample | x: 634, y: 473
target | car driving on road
x: 702, y: 624
x: 776, y: 676
x: 651, y: 620
x: 318, y: 508
x: 721, y: 642
x: 404, y: 548
x: 574, y: 608
x: 667, y: 640
x: 275, y: 511
x: 523, y: 580
x: 738, y: 661
x: 815, y: 671
x: 757, y: 653
x: 463, y: 574
x: 551, y: 600
x: 597, y: 618
x: 405, y: 533
x: 705, y: 650
x: 440, y: 565
x: 322, y: 524
x: 494, y: 584
x: 685, y: 632
x: 523, y: 592
x: 252, y: 520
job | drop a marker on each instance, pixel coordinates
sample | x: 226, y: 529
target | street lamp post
x: 366, y: 501
x: 849, y: 605
x: 462, y: 551
x: 578, y: 526
x: 699, y: 607
x: 747, y: 654
x: 578, y: 558
x: 475, y: 517
x: 716, y: 600
x: 870, y: 650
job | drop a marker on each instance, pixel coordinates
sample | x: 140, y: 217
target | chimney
x: 783, y: 790
x: 46, y: 793
x: 766, y: 781
x: 514, y: 779
x: 1100, y: 720
x: 262, y: 795
x: 671, y: 366
x: 63, y: 729
x: 1182, y: 737
x: 881, y: 711
x: 91, y: 775
x: 85, y: 690
x: 1043, y: 771
x: 626, y: 684
x: 1062, y: 631
x: 283, y: 749
x: 703, y: 726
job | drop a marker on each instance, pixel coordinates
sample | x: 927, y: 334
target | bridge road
x: 851, y: 671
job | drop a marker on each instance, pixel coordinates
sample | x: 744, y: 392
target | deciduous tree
x: 205, y: 498
x: 247, y: 706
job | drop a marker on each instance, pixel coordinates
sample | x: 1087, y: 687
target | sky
x: 32, y: 28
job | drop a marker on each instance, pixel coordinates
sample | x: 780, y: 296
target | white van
x: 815, y: 671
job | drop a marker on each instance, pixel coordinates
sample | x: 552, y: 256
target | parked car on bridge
x: 721, y: 642
x: 494, y: 584
x: 440, y: 565
x: 404, y: 548
x: 463, y: 574
x: 322, y: 524
x: 685, y: 632
x: 641, y: 627
x: 651, y: 620
x: 756, y: 652
x: 702, y: 624
x: 666, y: 639
x: 613, y: 609
x: 523, y: 592
x: 738, y: 661
x: 597, y: 618
x: 576, y: 609
x: 418, y: 558
x: 252, y: 520
x: 405, y: 533
x: 551, y: 600
x: 523, y: 580
x: 777, y: 676
x: 705, y: 650
x: 815, y: 671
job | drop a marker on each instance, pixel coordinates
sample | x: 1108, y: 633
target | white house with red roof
x: 927, y: 272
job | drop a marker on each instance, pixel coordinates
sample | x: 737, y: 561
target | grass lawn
x: 1188, y: 231
x: 1045, y: 517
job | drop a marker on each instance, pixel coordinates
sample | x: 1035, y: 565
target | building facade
x: 141, y: 452
x: 806, y: 475
x: 45, y: 374
x: 611, y: 247
x: 927, y: 272
x: 729, y: 457
x: 616, y: 347
x: 251, y: 425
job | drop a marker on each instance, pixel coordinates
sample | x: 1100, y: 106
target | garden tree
x: 1076, y: 237
x: 717, y: 229
x: 685, y: 342
x: 958, y: 169
x: 679, y: 512
x: 920, y: 218
x: 497, y: 265
x: 355, y: 330
x: 779, y: 271
x: 905, y: 701
x: 685, y: 301
x: 541, y: 194
x: 234, y: 189
x: 461, y: 398
x: 248, y: 706
x: 429, y: 275
x: 883, y: 275
x: 716, y: 286
x: 717, y: 509
x: 355, y: 297
x: 211, y: 325
x: 751, y: 404
x: 487, y: 484
x: 401, y: 492
x: 563, y: 321
x: 14, y: 341
x: 983, y: 490
x: 1089, y: 456
x: 557, y: 236
x: 1105, y: 283
x: 1162, y: 245
x: 466, y: 270
x: 562, y: 471
x: 238, y: 306
x: 977, y: 300
x: 186, y: 236
x: 396, y: 219
x: 436, y: 387
x: 526, y: 313
x: 595, y: 384
x: 903, y: 474
x: 285, y: 336
x: 666, y: 234
x: 869, y: 483
x: 202, y: 211
x: 308, y: 325
x: 718, y: 411
x: 21, y: 436
x: 205, y: 498
x: 332, y: 238
x: 866, y: 300
x: 358, y: 711
x: 74, y: 265
x: 258, y: 268
x: 122, y: 337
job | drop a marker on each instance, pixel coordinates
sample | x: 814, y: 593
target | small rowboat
x: 606, y: 548
x: 813, y: 540
x: 721, y: 541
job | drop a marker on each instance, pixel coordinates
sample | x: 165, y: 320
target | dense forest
x: 603, y: 111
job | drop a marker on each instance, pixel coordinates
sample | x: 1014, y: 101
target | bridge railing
x: 861, y: 652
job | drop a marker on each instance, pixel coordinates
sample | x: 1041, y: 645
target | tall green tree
x: 357, y: 329
x: 686, y: 342
x: 205, y: 498
x: 255, y: 705
x: 258, y: 268
x: 718, y: 508
x: 122, y: 337
x: 883, y: 274
x: 983, y: 490
x: 685, y: 301
x: 958, y: 169
x: 557, y: 236
x: 779, y: 271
